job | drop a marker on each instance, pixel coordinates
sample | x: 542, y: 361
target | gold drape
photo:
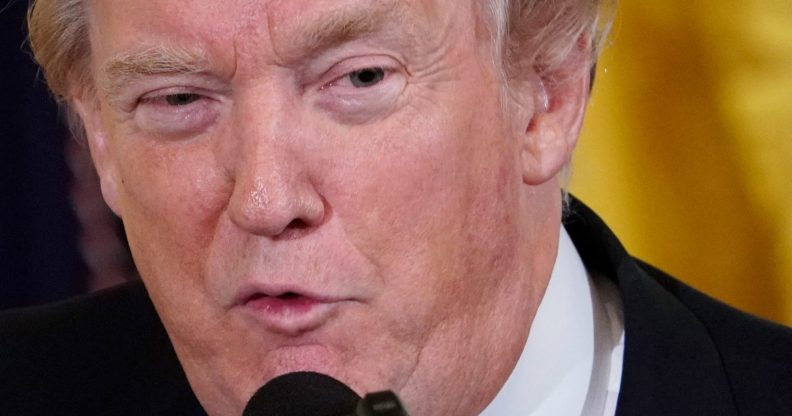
x: 687, y: 147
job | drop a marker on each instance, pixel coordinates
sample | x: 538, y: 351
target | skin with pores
x: 354, y: 152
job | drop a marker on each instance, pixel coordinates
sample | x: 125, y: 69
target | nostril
x: 297, y: 228
x: 297, y: 224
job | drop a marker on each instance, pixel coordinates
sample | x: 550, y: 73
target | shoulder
x: 756, y: 354
x: 685, y: 353
x: 98, y: 353
x: 95, y: 312
x: 101, y: 326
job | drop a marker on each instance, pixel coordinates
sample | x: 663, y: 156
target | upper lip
x: 250, y: 291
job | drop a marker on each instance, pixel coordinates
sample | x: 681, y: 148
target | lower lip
x: 290, y: 316
x: 283, y: 306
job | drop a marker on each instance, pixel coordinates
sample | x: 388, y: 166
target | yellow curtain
x: 687, y: 147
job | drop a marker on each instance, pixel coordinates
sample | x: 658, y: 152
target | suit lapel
x: 671, y: 366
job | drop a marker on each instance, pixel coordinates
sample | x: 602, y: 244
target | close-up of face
x: 335, y: 186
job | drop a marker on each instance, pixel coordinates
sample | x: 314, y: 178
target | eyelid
x: 207, y: 85
x: 351, y: 105
x: 158, y: 118
x: 162, y: 94
x: 357, y: 63
x: 343, y: 78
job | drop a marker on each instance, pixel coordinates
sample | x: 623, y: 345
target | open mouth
x: 283, y: 296
x: 287, y: 303
x: 286, y: 309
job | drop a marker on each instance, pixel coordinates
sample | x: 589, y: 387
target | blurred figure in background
x: 57, y: 236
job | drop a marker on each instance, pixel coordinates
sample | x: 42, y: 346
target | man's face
x: 322, y: 185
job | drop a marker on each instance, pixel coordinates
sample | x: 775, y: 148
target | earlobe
x: 552, y: 131
x: 98, y: 143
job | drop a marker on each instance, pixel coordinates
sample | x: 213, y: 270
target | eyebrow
x: 126, y: 67
x: 322, y: 31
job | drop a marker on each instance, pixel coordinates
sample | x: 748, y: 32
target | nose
x: 274, y: 203
x: 273, y: 194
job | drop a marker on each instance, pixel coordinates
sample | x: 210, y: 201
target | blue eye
x: 181, y: 99
x: 366, y: 77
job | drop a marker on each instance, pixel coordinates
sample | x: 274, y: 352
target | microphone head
x: 381, y: 403
x: 302, y: 393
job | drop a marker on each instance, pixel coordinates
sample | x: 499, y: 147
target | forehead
x: 260, y: 27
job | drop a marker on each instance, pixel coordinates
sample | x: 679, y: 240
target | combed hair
x: 540, y: 36
x: 59, y: 39
x: 536, y: 35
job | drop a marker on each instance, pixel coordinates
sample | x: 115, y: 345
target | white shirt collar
x: 571, y: 363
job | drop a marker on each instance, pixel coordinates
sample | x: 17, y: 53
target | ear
x: 550, y: 132
x: 89, y: 110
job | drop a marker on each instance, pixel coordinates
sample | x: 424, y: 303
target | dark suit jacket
x: 685, y: 353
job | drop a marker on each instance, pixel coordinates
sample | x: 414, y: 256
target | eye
x: 176, y: 111
x: 172, y: 100
x: 181, y: 99
x: 360, y: 89
x: 366, y: 77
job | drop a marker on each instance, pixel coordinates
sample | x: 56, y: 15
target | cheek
x: 171, y: 194
x: 430, y: 210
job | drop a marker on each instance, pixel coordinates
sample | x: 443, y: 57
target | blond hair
x: 60, y: 43
x: 542, y: 35
x: 538, y: 37
x: 536, y: 34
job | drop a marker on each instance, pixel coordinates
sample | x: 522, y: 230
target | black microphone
x: 313, y: 394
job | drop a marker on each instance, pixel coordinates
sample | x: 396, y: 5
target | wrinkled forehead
x: 268, y: 28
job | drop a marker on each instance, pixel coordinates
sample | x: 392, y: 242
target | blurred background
x: 57, y: 237
x: 686, y: 153
x: 687, y: 146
